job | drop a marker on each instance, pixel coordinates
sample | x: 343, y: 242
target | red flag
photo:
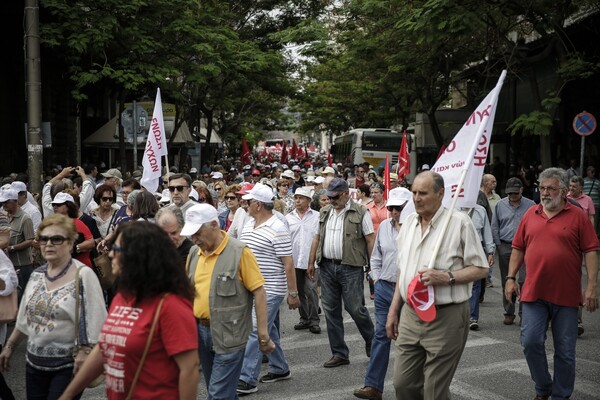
x: 329, y: 158
x: 386, y: 176
x: 245, y: 158
x: 294, y: 150
x: 403, y: 159
x: 284, y: 154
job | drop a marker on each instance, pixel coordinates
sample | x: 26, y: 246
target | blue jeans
x: 221, y: 371
x: 47, y: 385
x: 253, y: 357
x: 343, y: 283
x: 380, y: 350
x: 474, y: 300
x: 536, y: 317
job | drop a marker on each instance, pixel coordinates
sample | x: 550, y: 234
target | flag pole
x: 463, y: 175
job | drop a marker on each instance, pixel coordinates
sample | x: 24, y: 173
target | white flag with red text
x: 156, y: 147
x: 467, y: 150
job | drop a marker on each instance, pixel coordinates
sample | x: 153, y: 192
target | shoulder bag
x: 100, y: 379
x: 148, y: 342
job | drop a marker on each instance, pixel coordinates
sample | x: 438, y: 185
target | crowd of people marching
x: 142, y: 291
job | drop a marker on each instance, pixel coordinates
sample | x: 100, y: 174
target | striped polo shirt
x: 269, y: 242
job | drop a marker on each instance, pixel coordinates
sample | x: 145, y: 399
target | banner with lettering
x: 471, y: 143
x: 156, y: 147
x: 468, y: 150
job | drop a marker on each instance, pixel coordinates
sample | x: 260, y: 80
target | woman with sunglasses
x: 47, y: 314
x: 105, y: 196
x: 220, y: 189
x: 384, y: 272
x: 152, y: 287
x: 285, y: 195
x: 233, y: 203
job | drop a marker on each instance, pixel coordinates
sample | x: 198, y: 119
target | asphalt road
x: 492, y: 366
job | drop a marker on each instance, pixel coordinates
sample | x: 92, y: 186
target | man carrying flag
x: 156, y: 148
x: 435, y: 281
x: 439, y: 341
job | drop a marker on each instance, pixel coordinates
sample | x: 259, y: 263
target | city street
x: 492, y: 366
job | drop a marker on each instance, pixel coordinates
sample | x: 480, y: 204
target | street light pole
x: 35, y: 151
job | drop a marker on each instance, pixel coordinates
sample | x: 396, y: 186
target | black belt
x: 329, y: 260
x: 204, y: 321
x: 505, y: 242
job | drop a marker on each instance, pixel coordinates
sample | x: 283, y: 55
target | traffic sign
x: 584, y: 124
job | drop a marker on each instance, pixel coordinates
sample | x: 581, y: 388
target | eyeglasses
x: 395, y: 208
x: 55, y: 240
x: 230, y: 197
x: 116, y: 248
x: 218, y: 189
x: 255, y: 175
x: 549, y: 189
x: 107, y: 199
x: 179, y: 188
x: 334, y: 197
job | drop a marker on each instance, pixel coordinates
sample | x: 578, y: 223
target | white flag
x: 156, y: 147
x: 468, y: 150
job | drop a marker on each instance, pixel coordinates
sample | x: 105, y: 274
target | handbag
x: 148, y: 342
x: 104, y: 271
x: 8, y: 308
x: 100, y: 378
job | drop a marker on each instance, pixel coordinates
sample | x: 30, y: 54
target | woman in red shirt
x: 149, y: 272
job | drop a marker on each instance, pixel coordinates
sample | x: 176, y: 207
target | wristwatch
x: 452, y: 280
x: 264, y: 342
x: 293, y: 294
x: 510, y: 277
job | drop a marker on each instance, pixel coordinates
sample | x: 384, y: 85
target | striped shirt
x: 460, y: 248
x: 591, y: 187
x: 269, y: 242
x: 334, y: 232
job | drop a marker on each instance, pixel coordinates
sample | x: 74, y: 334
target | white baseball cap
x: 319, y: 180
x: 296, y: 168
x: 193, y: 171
x: 305, y: 191
x: 196, y: 216
x: 166, y: 196
x: 288, y: 174
x: 217, y: 175
x: 399, y: 197
x: 261, y: 193
x: 62, y: 198
x: 194, y: 194
x: 18, y: 186
x: 8, y: 194
x: 329, y: 170
x: 310, y: 178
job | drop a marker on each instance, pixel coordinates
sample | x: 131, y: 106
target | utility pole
x: 35, y: 151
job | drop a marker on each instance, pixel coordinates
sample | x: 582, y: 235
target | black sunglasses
x: 396, y: 208
x: 55, y: 240
x: 179, y: 188
x: 230, y: 197
x: 107, y: 199
x: 334, y: 197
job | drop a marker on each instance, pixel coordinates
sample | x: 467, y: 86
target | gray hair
x: 577, y: 179
x: 555, y: 173
x: 131, y: 197
x: 175, y: 212
x: 268, y: 206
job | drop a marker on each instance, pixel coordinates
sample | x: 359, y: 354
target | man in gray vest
x: 342, y: 249
x: 226, y: 279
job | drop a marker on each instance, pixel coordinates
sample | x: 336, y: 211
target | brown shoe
x: 336, y: 361
x: 368, y: 393
x: 509, y: 319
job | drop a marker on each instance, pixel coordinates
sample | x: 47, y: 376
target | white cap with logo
x: 196, y: 216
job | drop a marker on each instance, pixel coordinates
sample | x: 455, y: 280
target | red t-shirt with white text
x: 123, y: 339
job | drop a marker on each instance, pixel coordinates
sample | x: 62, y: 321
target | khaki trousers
x: 427, y: 353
